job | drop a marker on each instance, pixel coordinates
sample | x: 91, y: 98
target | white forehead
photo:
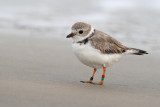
x: 73, y: 30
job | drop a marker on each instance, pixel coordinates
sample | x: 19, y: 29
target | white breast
x: 92, y: 57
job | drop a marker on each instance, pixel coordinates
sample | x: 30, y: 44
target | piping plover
x: 97, y: 49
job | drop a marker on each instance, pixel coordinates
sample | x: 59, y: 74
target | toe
x: 97, y: 83
x: 82, y: 81
x: 86, y: 81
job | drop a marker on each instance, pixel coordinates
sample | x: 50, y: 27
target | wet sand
x: 43, y: 72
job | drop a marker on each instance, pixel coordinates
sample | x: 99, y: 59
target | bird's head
x: 80, y: 31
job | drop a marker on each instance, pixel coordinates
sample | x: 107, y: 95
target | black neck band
x: 86, y: 39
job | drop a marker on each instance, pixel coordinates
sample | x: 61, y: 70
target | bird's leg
x: 91, y: 79
x: 102, y: 79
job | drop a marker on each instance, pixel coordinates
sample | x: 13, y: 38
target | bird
x: 97, y: 49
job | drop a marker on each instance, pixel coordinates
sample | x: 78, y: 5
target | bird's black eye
x: 81, y: 31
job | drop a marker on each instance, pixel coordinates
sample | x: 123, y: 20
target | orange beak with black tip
x: 70, y: 35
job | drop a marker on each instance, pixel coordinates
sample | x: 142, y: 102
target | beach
x: 39, y: 69
x: 44, y: 72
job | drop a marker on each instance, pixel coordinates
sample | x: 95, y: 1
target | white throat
x: 78, y: 38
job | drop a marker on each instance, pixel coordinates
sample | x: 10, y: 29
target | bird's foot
x: 90, y: 81
x: 97, y: 83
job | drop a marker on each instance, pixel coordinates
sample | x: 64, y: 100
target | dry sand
x: 43, y: 72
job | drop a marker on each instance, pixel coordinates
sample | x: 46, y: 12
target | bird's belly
x: 93, y: 57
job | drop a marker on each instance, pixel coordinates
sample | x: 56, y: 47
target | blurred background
x: 135, y: 23
x: 39, y: 69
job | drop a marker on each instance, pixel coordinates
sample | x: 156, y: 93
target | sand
x: 43, y: 72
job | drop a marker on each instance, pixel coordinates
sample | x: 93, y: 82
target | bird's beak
x: 70, y: 35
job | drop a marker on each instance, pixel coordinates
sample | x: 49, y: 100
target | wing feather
x: 106, y: 44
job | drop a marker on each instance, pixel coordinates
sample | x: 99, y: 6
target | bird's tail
x: 135, y: 51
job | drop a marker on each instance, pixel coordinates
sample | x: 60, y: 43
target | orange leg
x: 91, y: 79
x: 102, y: 79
